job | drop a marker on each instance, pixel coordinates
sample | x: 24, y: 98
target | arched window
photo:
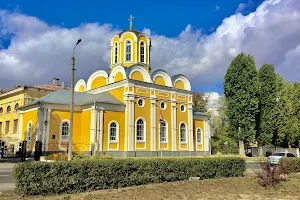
x: 16, y: 106
x: 199, y: 136
x: 116, y: 52
x: 65, y: 130
x: 1, y: 110
x: 8, y: 109
x: 182, y: 132
x: 163, y: 131
x: 140, y: 130
x: 113, y: 131
x: 142, y: 51
x: 128, y: 50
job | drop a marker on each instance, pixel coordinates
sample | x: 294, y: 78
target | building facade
x: 126, y: 111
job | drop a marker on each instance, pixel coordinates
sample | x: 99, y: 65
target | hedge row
x: 290, y: 165
x: 43, y: 178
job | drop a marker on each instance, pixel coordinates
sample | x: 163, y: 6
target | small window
x: 113, y: 131
x: 140, y: 130
x: 65, y: 131
x: 199, y: 136
x: 116, y: 52
x: 15, y: 129
x: 140, y: 102
x: 163, y: 105
x: 128, y: 50
x: 142, y: 50
x: 6, y: 127
x: 1, y: 110
x: 8, y: 109
x: 182, y: 133
x: 290, y: 155
x: 0, y: 127
x: 182, y: 108
x: 16, y: 106
x: 163, y: 131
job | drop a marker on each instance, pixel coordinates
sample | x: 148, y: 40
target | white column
x: 20, y: 129
x: 190, y: 119
x: 131, y: 125
x: 174, y: 127
x: 92, y: 127
x: 38, y: 132
x: 206, y: 135
x: 48, y: 128
x: 45, y: 114
x: 100, y: 125
x: 153, y: 125
x: 126, y: 124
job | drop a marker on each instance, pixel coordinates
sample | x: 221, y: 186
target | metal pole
x: 160, y: 140
x: 96, y: 131
x: 71, y: 110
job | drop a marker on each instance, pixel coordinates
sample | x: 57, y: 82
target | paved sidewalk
x: 6, y: 177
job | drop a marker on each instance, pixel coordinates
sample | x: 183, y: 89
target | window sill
x: 199, y: 143
x: 183, y: 142
x: 113, y: 142
x: 140, y: 141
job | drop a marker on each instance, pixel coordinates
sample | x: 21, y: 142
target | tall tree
x: 241, y: 86
x: 267, y: 105
x: 296, y: 103
x: 200, y: 102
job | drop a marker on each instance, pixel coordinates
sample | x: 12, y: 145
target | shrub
x: 42, y: 178
x: 290, y: 165
x: 269, y: 176
x: 58, y: 157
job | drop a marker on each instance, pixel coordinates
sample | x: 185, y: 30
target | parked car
x: 274, y: 159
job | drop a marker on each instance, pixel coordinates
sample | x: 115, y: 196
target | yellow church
x: 128, y: 111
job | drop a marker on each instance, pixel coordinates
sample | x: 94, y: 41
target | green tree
x: 241, y: 86
x: 267, y: 105
x: 296, y: 102
x: 199, y: 102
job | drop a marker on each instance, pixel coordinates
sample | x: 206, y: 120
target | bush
x: 269, y: 176
x: 82, y: 156
x: 224, y: 144
x: 58, y: 157
x: 43, y: 178
x: 290, y: 165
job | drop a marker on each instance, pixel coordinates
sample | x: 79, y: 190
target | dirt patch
x: 230, y: 188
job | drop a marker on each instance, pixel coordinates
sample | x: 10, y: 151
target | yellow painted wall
x: 118, y: 93
x: 180, y: 85
x: 182, y: 117
x: 133, y: 55
x: 85, y: 130
x: 27, y: 117
x: 119, y: 117
x: 167, y: 115
x: 118, y: 77
x: 198, y: 124
x: 55, y: 119
x: 142, y: 92
x: 160, y: 81
x: 143, y: 112
x: 137, y: 76
x: 81, y: 88
x: 98, y: 82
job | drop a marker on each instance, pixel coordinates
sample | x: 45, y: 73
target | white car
x: 274, y: 159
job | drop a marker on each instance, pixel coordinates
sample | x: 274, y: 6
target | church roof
x: 80, y: 98
x: 137, y: 33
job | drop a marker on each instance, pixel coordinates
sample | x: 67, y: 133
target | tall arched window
x: 116, y: 52
x: 128, y: 50
x: 163, y: 132
x: 142, y: 51
x: 182, y: 132
x: 199, y: 136
x: 8, y: 109
x: 16, y: 106
x: 113, y: 131
x: 65, y: 130
x: 140, y: 130
x: 1, y: 110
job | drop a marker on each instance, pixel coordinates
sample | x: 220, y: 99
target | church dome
x: 137, y: 33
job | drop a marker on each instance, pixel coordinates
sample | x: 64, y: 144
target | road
x: 6, y: 177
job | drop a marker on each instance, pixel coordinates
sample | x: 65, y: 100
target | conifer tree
x: 241, y: 87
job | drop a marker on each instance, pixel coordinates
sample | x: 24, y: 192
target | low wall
x: 254, y: 151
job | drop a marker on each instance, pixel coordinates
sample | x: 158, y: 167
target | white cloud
x: 39, y: 52
x: 217, y: 8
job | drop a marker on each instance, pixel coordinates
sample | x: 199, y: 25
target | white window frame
x: 166, y: 132
x: 200, y: 136
x: 60, y: 130
x: 117, y: 132
x: 164, y: 104
x: 142, y: 101
x: 144, y: 130
x: 144, y: 43
x: 116, y: 49
x: 130, y: 50
x: 183, y: 142
x: 183, y: 109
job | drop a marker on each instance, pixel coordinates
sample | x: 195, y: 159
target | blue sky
x: 188, y: 24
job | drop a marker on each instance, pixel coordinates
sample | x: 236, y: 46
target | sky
x: 196, y: 38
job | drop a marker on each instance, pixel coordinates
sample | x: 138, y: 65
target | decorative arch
x: 102, y: 77
x: 181, y: 80
x: 115, y: 71
x: 16, y: 106
x: 163, y: 74
x: 128, y: 33
x: 80, y: 86
x: 113, y: 39
x: 8, y: 109
x: 143, y: 71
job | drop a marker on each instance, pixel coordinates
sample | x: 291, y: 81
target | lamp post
x: 72, y: 104
x: 46, y: 123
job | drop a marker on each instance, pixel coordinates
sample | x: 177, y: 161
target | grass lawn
x: 230, y: 188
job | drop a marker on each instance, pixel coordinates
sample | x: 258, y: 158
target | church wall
x: 30, y: 116
x: 180, y: 85
x: 119, y: 117
x: 118, y: 77
x: 198, y: 124
x: 98, y: 82
x: 159, y: 80
x: 144, y: 113
x: 137, y: 76
x: 142, y: 92
x: 56, y: 117
x: 118, y: 93
x: 81, y: 88
x: 182, y: 117
x: 85, y: 130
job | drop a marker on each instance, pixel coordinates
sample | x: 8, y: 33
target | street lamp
x: 46, y: 123
x: 72, y: 104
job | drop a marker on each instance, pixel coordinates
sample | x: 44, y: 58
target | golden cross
x: 130, y: 19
